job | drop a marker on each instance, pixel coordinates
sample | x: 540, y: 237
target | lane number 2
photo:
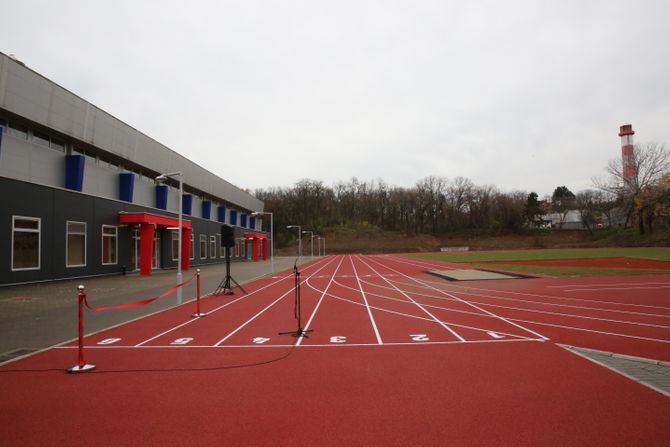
x: 419, y: 337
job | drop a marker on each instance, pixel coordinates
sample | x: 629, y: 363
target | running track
x: 396, y: 357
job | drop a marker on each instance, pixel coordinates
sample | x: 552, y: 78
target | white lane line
x: 193, y: 320
x: 367, y: 305
x: 388, y: 298
x: 412, y: 300
x: 464, y: 301
x: 451, y: 286
x: 543, y: 303
x: 329, y: 345
x: 645, y: 283
x: 269, y: 306
x: 616, y: 288
x: 430, y: 320
x: 325, y: 291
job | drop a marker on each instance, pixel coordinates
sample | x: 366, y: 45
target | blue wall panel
x: 126, y: 186
x: 243, y: 220
x: 187, y: 204
x: 233, y: 217
x: 161, y: 196
x: 221, y: 214
x: 252, y: 222
x: 74, y: 172
x: 206, y: 209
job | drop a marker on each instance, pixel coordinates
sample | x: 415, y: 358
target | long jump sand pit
x: 473, y: 275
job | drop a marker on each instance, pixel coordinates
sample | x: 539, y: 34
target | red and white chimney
x: 626, y: 133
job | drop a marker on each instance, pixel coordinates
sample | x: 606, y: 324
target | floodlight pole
x: 299, y: 239
x: 272, y: 238
x: 312, y: 235
x: 162, y: 178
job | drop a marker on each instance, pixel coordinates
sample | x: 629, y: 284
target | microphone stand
x: 300, y: 331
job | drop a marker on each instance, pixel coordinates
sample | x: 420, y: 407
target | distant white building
x: 570, y: 220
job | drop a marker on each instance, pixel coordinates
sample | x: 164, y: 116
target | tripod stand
x: 300, y: 332
x: 225, y: 284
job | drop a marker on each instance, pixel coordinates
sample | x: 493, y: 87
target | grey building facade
x: 79, y: 197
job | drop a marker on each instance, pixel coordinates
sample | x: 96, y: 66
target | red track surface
x: 621, y: 262
x: 397, y: 357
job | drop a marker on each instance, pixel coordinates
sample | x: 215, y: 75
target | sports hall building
x: 79, y: 197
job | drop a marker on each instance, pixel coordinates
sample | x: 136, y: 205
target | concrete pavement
x: 37, y: 316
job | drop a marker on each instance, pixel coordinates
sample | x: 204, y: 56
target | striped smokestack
x: 626, y: 133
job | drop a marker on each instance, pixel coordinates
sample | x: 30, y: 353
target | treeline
x: 434, y: 205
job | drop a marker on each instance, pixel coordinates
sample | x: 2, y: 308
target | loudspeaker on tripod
x: 227, y: 236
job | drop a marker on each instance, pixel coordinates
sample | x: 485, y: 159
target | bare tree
x: 650, y: 162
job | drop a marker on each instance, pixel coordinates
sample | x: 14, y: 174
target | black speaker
x: 227, y: 236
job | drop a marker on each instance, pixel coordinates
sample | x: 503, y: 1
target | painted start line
x: 355, y: 300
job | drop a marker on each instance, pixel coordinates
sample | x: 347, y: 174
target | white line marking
x: 466, y: 302
x: 341, y: 345
x: 247, y: 295
x: 452, y: 285
x: 417, y: 317
x: 269, y: 306
x: 311, y: 318
x: 543, y: 303
x: 615, y: 288
x: 412, y: 300
x: 372, y: 319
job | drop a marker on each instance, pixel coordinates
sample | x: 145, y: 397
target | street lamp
x: 272, y: 238
x: 299, y: 238
x: 162, y: 179
x: 312, y: 235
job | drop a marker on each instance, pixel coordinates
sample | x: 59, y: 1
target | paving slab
x: 650, y: 372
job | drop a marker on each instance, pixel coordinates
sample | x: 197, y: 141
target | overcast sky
x: 524, y: 95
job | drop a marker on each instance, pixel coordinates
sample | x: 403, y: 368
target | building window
x: 58, y: 145
x: 75, y: 249
x: 203, y: 246
x: 243, y: 248
x: 192, y: 246
x: 222, y: 250
x: 40, y: 138
x: 175, y: 245
x: 212, y: 247
x: 109, y: 244
x: 18, y: 131
x: 25, y: 243
x: 237, y: 248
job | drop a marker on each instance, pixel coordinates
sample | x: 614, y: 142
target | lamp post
x: 161, y: 179
x: 299, y: 237
x: 272, y: 238
x: 318, y: 241
x: 312, y: 236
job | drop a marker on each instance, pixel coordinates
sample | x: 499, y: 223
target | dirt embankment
x: 376, y: 241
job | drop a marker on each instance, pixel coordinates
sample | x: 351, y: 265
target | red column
x: 265, y: 249
x: 254, y: 253
x: 146, y: 248
x: 185, y: 248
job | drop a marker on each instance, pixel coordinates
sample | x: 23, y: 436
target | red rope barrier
x: 81, y: 365
x: 197, y: 313
x: 141, y: 302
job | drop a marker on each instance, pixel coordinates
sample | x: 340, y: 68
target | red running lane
x: 474, y: 393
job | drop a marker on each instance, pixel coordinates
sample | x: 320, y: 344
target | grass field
x: 500, y: 257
